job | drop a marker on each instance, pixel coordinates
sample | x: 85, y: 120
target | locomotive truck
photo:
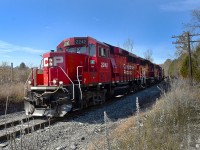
x: 82, y: 72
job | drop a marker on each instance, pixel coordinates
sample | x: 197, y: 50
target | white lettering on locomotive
x: 45, y: 62
x: 104, y: 65
x: 56, y: 60
x: 128, y: 69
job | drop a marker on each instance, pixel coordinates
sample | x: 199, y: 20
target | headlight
x: 60, y: 82
x: 29, y: 82
x: 50, y: 64
x: 54, y: 81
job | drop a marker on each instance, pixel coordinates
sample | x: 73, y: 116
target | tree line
x: 179, y: 67
x: 8, y: 73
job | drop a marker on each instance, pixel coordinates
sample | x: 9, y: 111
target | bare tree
x: 194, y: 24
x: 128, y: 45
x: 181, y: 47
x: 148, y: 55
x: 196, y: 15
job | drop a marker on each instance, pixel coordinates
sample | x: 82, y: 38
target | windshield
x: 82, y: 50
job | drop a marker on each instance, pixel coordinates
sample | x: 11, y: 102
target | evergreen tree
x: 22, y: 65
x: 195, y: 65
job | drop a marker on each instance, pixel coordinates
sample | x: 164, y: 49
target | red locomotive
x: 83, y: 72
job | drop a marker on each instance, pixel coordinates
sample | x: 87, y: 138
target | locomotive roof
x: 113, y: 49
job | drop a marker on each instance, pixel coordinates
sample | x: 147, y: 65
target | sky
x: 29, y: 28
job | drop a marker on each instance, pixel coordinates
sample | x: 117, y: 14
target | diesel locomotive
x: 83, y: 71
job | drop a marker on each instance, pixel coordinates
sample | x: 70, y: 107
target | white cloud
x: 181, y: 5
x: 7, y: 48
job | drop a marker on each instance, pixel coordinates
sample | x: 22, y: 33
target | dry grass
x: 12, y: 82
x: 172, y: 123
x: 15, y: 92
x: 12, y: 87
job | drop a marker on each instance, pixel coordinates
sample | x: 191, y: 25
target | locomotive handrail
x: 40, y: 95
x: 68, y: 78
x: 77, y: 74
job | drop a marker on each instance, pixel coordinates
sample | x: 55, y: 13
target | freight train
x: 83, y: 71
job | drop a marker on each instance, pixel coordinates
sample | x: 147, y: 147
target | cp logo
x: 56, y: 60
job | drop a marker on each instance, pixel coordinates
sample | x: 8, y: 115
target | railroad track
x: 12, y: 129
x: 16, y: 128
x: 8, y: 124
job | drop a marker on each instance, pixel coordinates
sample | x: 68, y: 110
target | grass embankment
x: 172, y: 123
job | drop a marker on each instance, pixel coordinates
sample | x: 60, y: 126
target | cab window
x: 81, y: 50
x: 92, y: 51
x: 71, y: 49
x: 103, y: 52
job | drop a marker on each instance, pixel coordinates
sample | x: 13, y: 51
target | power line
x: 188, y: 41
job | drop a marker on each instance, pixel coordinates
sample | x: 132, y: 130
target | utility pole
x: 190, y: 58
x: 188, y: 41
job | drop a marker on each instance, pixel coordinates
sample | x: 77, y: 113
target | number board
x: 80, y: 41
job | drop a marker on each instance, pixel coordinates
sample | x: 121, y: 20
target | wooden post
x: 11, y: 72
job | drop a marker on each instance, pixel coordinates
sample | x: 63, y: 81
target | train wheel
x: 99, y: 97
x: 80, y: 103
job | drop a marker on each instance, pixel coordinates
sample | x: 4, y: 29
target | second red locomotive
x: 83, y: 72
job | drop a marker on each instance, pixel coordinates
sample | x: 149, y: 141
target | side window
x: 103, y: 52
x: 108, y: 53
x: 92, y: 50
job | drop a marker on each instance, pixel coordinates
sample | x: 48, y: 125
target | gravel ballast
x: 76, y: 133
